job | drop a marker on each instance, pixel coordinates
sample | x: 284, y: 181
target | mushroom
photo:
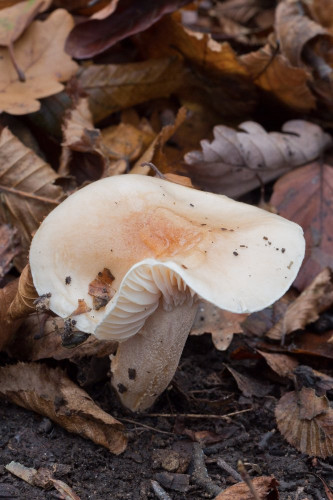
x: 125, y: 258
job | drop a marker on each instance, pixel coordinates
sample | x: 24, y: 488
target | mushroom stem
x: 145, y: 364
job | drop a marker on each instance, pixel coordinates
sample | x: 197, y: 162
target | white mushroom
x: 126, y: 256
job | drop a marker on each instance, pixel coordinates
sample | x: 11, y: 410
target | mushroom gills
x: 139, y: 296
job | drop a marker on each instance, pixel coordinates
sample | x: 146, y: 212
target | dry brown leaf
x: 15, y: 19
x: 295, y: 30
x: 154, y: 154
x: 115, y: 87
x: 322, y: 13
x: 82, y: 154
x: 7, y: 326
x: 249, y: 386
x: 306, y: 422
x: 40, y: 55
x: 9, y: 248
x: 241, y: 11
x: 49, y: 392
x: 315, y: 299
x: 24, y: 302
x: 221, y: 324
x: 305, y: 197
x: 265, y: 487
x: 40, y: 337
x: 282, y: 364
x: 233, y: 161
x: 28, y: 190
x: 111, y: 25
x: 273, y: 73
x: 43, y: 478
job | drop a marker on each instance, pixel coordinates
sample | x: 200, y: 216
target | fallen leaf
x: 39, y: 54
x: 43, y: 478
x: 241, y: 11
x: 273, y: 73
x: 24, y: 302
x: 315, y: 299
x: 113, y: 87
x: 82, y: 149
x: 49, y: 392
x: 7, y: 326
x: 154, y: 154
x: 295, y: 30
x: 265, y: 487
x: 313, y: 344
x: 101, y: 289
x: 40, y: 337
x: 305, y: 197
x: 249, y: 386
x: 322, y: 13
x: 9, y: 248
x: 221, y: 324
x: 234, y: 161
x: 282, y: 364
x: 100, y: 33
x: 306, y: 422
x: 28, y: 190
x: 308, y: 377
x: 15, y: 19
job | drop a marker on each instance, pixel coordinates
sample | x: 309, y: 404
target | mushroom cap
x: 159, y: 240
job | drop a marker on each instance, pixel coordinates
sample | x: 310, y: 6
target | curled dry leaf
x: 282, y: 364
x: 100, y: 33
x: 265, y: 487
x: 306, y: 422
x: 82, y: 151
x: 40, y: 337
x: 234, y: 161
x: 24, y: 302
x: 273, y: 73
x: 7, y: 326
x: 315, y: 299
x: 113, y: 87
x: 305, y: 197
x: 221, y: 324
x: 49, y: 392
x: 42, y: 478
x: 9, y: 248
x: 28, y: 190
x: 40, y: 55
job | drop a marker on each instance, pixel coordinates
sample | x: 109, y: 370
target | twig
x: 159, y: 491
x: 200, y: 475
x: 145, y: 426
x: 196, y: 415
x: 29, y: 195
x: 221, y: 463
x: 154, y: 168
x: 246, y: 478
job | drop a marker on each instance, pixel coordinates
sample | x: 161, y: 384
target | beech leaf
x: 7, y: 326
x: 113, y: 87
x: 39, y: 53
x: 49, y: 392
x: 265, y: 487
x: 306, y: 422
x: 9, y: 248
x: 234, y: 161
x: 28, y: 189
x: 305, y: 197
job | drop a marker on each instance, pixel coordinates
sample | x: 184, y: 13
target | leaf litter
x: 194, y: 94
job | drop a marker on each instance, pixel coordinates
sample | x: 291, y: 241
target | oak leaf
x: 28, y: 189
x: 306, y: 422
x: 108, y: 27
x: 113, y: 87
x: 51, y: 393
x: 305, y: 197
x: 40, y: 55
x: 234, y: 162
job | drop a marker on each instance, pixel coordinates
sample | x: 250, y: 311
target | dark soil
x: 161, y: 448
